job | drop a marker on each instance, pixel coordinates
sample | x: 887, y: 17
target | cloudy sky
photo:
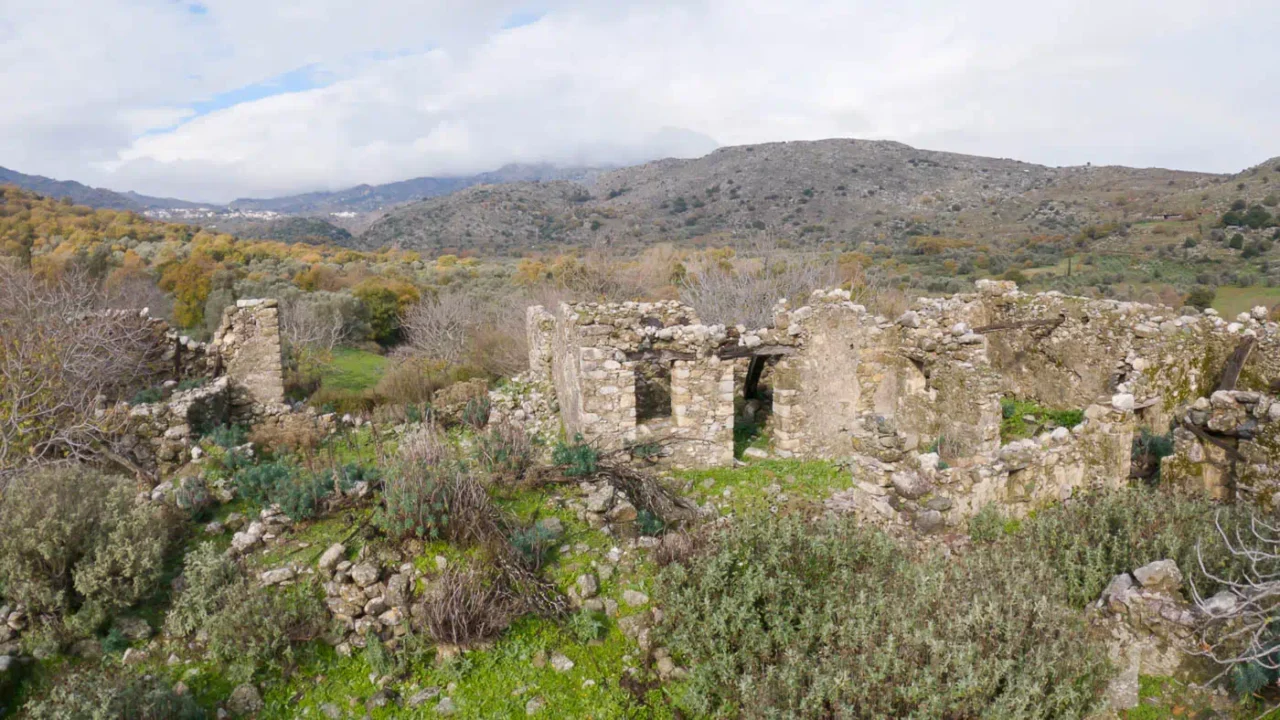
x: 216, y: 99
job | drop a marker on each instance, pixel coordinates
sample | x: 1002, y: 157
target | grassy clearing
x: 766, y: 484
x: 1232, y: 301
x: 353, y: 370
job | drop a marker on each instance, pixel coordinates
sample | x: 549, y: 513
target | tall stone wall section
x: 594, y: 352
x: 248, y: 344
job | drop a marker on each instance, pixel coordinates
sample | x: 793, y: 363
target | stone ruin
x: 243, y: 370
x: 913, y: 403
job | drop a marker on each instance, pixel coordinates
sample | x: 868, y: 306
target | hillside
x: 804, y: 193
x: 82, y: 194
x: 368, y: 198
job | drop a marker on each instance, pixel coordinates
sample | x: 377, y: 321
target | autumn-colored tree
x: 189, y: 282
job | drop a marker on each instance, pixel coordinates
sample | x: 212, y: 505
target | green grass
x: 353, y: 370
x: 1015, y: 426
x: 1232, y: 301
x: 801, y: 481
x: 490, y: 683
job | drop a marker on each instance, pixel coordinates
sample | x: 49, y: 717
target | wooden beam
x: 1232, y: 452
x: 1235, y: 363
x: 659, y: 356
x: 740, y: 351
x: 751, y: 388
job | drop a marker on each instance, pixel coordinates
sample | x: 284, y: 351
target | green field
x: 1232, y: 301
x: 353, y: 370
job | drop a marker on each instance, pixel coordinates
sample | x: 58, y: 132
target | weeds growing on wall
x: 1024, y: 418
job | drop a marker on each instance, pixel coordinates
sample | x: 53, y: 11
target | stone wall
x: 244, y: 368
x: 1228, y: 446
x: 847, y: 383
x: 594, y: 353
x: 248, y: 345
x: 930, y: 496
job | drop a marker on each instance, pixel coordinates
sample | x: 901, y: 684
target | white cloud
x: 437, y: 88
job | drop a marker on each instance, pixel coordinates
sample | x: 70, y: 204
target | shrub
x: 147, y: 396
x: 343, y: 401
x: 261, y: 628
x: 1201, y: 296
x: 209, y: 583
x: 414, y: 380
x: 73, y: 539
x: 475, y: 413
x: 466, y: 605
x: 505, y: 450
x: 113, y: 695
x: 442, y: 501
x: 648, y: 523
x: 298, y: 492
x: 987, y: 525
x: 786, y: 619
x: 586, y: 626
x: 576, y: 460
x: 534, y: 545
x: 1094, y: 538
x: 228, y: 436
x: 257, y: 483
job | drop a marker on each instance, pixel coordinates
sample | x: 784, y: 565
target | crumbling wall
x: 930, y: 496
x: 248, y: 344
x: 1228, y: 447
x: 159, y: 436
x: 847, y: 383
x: 595, y: 351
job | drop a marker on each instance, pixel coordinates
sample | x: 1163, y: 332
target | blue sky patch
x: 521, y: 18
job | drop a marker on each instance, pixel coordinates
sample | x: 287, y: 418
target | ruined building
x: 242, y: 374
x: 915, y: 400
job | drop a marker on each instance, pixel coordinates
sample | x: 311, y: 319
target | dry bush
x: 61, y: 357
x: 440, y: 327
x: 747, y: 297
x: 1240, y: 634
x: 456, y: 328
x: 438, y: 500
x: 316, y: 325
x: 466, y: 605
x: 287, y: 435
x: 890, y: 302
x: 425, y: 445
x: 414, y: 379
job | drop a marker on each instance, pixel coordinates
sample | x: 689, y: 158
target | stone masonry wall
x: 847, y: 383
x: 1228, y: 447
x: 594, y: 353
x: 248, y: 341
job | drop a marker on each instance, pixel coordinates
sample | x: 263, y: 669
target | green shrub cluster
x: 113, y: 695
x: 787, y: 619
x: 577, y: 459
x: 244, y: 626
x: 210, y: 580
x: 1092, y: 539
x: 504, y: 450
x: 263, y: 628
x: 299, y: 492
x: 75, y: 541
